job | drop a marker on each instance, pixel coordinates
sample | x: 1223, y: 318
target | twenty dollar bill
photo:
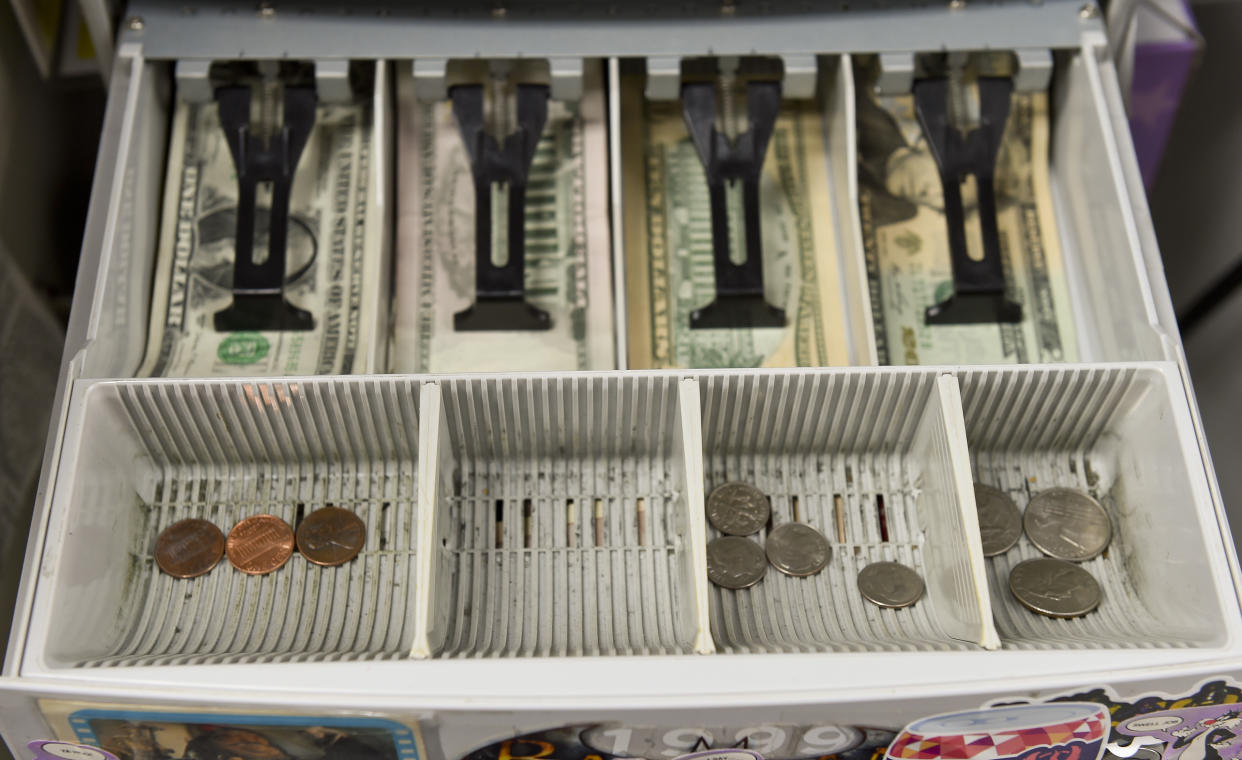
x: 905, y: 239
x: 669, y: 264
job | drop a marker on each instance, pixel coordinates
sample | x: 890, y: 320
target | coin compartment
x: 875, y: 462
x: 1123, y: 435
x: 151, y: 453
x: 568, y: 518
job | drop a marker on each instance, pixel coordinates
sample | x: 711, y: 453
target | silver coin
x: 735, y: 562
x: 1000, y: 522
x: 1054, y: 587
x: 798, y: 549
x: 738, y: 509
x: 1067, y: 524
x: 890, y: 584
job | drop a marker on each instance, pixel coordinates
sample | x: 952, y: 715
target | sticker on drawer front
x: 762, y: 741
x: 133, y: 733
x: 723, y: 754
x: 1059, y: 731
x: 54, y: 750
x: 1212, y: 732
x: 1201, y: 723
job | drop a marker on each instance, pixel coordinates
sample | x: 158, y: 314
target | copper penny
x: 189, y: 548
x: 260, y: 544
x: 331, y: 536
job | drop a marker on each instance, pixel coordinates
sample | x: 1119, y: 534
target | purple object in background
x: 1155, y: 45
x: 1160, y: 73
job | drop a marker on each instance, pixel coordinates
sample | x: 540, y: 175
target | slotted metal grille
x: 1036, y: 430
x: 833, y: 452
x: 1121, y: 621
x: 839, y: 496
x: 567, y: 518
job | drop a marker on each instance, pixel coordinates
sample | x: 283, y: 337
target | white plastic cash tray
x: 479, y: 634
x: 481, y: 496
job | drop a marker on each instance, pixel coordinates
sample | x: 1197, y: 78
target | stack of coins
x: 1065, y: 524
x: 737, y: 510
x: 260, y: 544
x: 796, y: 549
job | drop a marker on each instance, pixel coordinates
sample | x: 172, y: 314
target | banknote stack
x: 906, y: 241
x: 668, y: 265
x: 568, y: 256
x: 334, y: 254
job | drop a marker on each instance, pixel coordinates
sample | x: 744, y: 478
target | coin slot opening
x: 849, y: 475
x: 571, y: 523
x: 528, y: 518
x: 641, y: 510
x: 793, y: 506
x: 879, y: 507
x: 599, y: 522
x: 838, y: 508
x: 298, y: 515
x: 500, y: 523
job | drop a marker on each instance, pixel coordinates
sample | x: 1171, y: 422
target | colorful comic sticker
x: 45, y: 749
x: 142, y: 734
x: 766, y: 741
x: 1209, y: 732
x: 1064, y: 731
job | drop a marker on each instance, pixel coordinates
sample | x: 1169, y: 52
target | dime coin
x: 735, y: 562
x: 1067, y: 524
x: 1054, y: 587
x: 259, y: 544
x: 798, y: 549
x: 331, y: 536
x: 189, y: 548
x: 1000, y: 522
x: 890, y: 584
x: 738, y: 509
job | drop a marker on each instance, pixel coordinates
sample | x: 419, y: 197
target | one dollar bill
x: 334, y: 253
x: 669, y: 263
x: 906, y: 246
x: 568, y: 261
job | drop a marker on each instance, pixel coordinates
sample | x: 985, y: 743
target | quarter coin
x: 1054, y: 587
x: 1067, y: 524
x: 1000, y: 522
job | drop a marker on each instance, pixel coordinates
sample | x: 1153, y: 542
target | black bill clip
x: 739, y: 286
x: 978, y: 284
x: 268, y: 154
x: 500, y: 291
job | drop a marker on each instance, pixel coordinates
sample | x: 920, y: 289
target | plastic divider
x: 948, y: 516
x: 694, y: 567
